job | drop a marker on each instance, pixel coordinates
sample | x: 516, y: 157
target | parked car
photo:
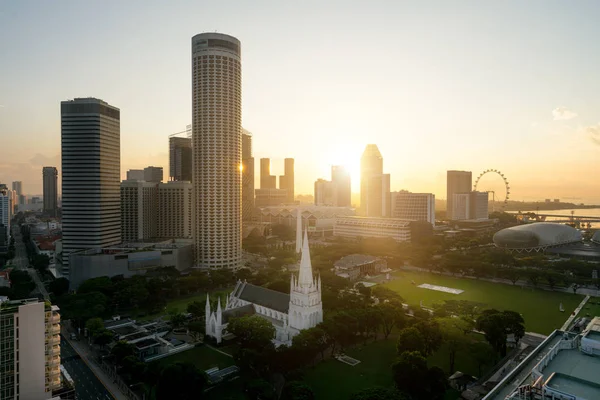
x: 73, y: 336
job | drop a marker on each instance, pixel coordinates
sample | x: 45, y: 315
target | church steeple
x: 298, y: 230
x: 305, y: 276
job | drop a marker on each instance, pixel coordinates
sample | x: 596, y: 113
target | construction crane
x: 188, y: 132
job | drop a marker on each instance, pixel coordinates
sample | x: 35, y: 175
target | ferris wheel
x: 503, y: 196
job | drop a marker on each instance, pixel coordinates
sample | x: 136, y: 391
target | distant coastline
x: 545, y: 206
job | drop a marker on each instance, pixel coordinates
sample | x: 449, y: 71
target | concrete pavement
x: 87, y: 385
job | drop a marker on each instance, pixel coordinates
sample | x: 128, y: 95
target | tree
x: 410, y: 340
x: 514, y: 324
x: 197, y: 309
x: 178, y: 320
x: 497, y: 325
x: 378, y: 393
x: 40, y: 262
x: 410, y: 375
x: 94, y: 326
x: 460, y: 308
x: 298, y: 391
x: 533, y: 276
x: 121, y: 350
x: 103, y: 338
x: 383, y: 293
x: 81, y: 307
x: 482, y: 353
x: 181, y: 380
x: 511, y: 273
x: 252, y: 331
x: 59, y: 286
x: 432, y: 335
x: 259, y: 389
x: 102, y: 284
x: 21, y: 285
x: 454, y: 331
x: 390, y: 315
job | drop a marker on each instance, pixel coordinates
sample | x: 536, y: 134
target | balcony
x: 53, y: 370
x: 53, y: 361
x: 52, y: 340
x: 53, y: 350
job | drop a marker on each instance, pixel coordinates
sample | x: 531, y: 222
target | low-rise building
x: 355, y: 227
x: 319, y: 220
x: 357, y: 266
x: 128, y: 260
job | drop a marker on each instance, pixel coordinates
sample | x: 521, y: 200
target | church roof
x: 242, y: 311
x: 265, y: 297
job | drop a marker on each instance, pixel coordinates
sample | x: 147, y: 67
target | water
x: 578, y: 212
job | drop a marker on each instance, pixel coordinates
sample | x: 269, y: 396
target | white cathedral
x: 289, y: 313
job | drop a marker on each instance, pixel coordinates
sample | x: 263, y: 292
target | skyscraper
x: 5, y: 216
x: 374, y: 184
x: 325, y: 193
x: 217, y: 149
x: 267, y: 181
x: 456, y: 182
x: 286, y: 181
x: 413, y: 206
x: 17, y: 186
x: 153, y: 174
x: 135, y: 174
x: 180, y: 158
x: 247, y: 176
x: 50, y: 181
x: 341, y: 179
x: 138, y: 210
x: 91, y: 168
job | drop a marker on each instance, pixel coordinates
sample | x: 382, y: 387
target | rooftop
x: 355, y: 260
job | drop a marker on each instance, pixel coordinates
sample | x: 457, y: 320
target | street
x: 21, y: 261
x: 87, y: 386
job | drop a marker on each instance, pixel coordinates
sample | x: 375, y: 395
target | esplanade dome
x: 534, y: 236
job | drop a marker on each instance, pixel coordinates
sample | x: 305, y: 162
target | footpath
x: 565, y: 327
x: 86, y: 355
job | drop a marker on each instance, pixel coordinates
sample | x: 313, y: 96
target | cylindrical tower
x: 217, y: 150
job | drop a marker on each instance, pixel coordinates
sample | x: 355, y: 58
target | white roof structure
x: 536, y: 237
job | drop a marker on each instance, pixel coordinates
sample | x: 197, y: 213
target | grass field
x: 591, y: 308
x: 203, y: 357
x: 334, y: 380
x: 180, y: 304
x: 540, y: 308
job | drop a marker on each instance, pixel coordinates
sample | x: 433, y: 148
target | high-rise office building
x: 50, y: 183
x: 413, y: 206
x: 180, y: 158
x: 374, y: 184
x: 175, y: 210
x: 91, y: 164
x: 325, y: 193
x: 247, y: 177
x: 5, y: 216
x: 456, y: 182
x: 470, y: 205
x: 153, y: 174
x: 286, y: 181
x: 17, y: 186
x: 135, y: 175
x: 267, y: 181
x: 139, y: 208
x: 341, y: 179
x: 29, y: 339
x: 270, y: 197
x: 217, y: 149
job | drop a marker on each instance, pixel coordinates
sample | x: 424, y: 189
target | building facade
x: 5, y: 217
x: 319, y: 220
x: 17, y: 186
x: 340, y: 177
x: 456, y: 182
x: 217, y: 150
x: 289, y: 313
x: 471, y: 205
x: 135, y: 175
x: 50, y: 183
x: 153, y: 174
x: 286, y: 181
x: 247, y: 177
x: 325, y: 193
x: 175, y: 207
x: 29, y: 349
x: 267, y: 181
x: 413, y: 206
x: 270, y: 197
x: 91, y: 164
x: 139, y: 206
x: 356, y: 227
x: 375, y: 198
x: 355, y: 266
x: 180, y: 158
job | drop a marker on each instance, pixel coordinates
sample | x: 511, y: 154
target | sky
x: 437, y: 85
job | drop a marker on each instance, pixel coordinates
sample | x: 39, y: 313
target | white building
x: 413, y: 206
x: 217, y: 150
x: 289, y: 313
x: 91, y: 168
x: 30, y: 350
x: 355, y: 227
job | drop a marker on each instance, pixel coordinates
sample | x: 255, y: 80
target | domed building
x: 536, y: 237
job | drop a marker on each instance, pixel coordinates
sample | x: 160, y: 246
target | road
x: 87, y: 386
x: 21, y: 261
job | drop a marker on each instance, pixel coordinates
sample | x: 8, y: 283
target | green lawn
x: 591, y: 308
x: 202, y: 356
x: 540, y: 308
x: 334, y: 380
x: 180, y: 304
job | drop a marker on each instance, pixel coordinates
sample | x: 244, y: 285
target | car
x: 73, y: 336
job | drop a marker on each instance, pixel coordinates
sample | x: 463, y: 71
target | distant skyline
x: 437, y: 85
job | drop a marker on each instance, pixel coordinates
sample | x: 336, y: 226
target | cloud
x: 1, y: 106
x: 563, y: 113
x: 593, y: 132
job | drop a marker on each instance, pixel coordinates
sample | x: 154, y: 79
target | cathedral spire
x: 298, y: 230
x: 305, y: 277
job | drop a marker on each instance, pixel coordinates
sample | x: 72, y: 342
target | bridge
x: 558, y: 218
